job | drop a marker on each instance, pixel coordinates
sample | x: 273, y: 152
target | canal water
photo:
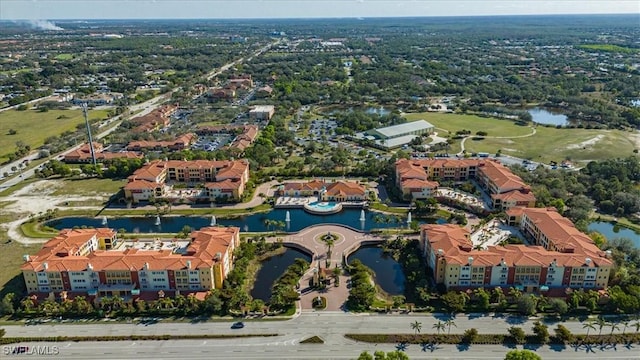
x: 254, y: 222
x: 388, y: 272
x: 271, y: 269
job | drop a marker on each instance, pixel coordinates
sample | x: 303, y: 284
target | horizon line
x: 331, y: 17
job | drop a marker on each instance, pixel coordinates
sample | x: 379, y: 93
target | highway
x: 330, y: 326
x: 270, y: 348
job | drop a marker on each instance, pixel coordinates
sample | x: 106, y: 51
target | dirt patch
x: 587, y: 143
x: 35, y: 199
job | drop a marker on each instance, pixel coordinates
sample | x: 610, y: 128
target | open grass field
x: 549, y: 143
x: 473, y: 123
x: 88, y: 187
x: 65, y: 56
x: 12, y: 252
x: 559, y: 144
x: 33, y: 127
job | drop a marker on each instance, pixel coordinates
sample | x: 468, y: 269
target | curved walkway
x: 533, y: 132
x: 310, y: 239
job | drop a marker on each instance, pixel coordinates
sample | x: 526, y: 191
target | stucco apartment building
x: 158, y: 118
x: 180, y: 143
x: 326, y: 191
x: 82, y: 155
x: 418, y: 179
x: 562, y: 257
x: 96, y: 263
x: 221, y: 178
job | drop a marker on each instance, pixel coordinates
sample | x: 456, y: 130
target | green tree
x: 449, y: 323
x: 2, y: 333
x: 7, y: 306
x: 559, y: 306
x: 518, y: 334
x: 522, y: 355
x: 483, y: 298
x: 541, y: 331
x: 455, y: 301
x: 469, y: 336
x: 527, y: 305
x: 365, y: 356
x: 439, y: 326
x: 589, y: 325
x: 563, y: 334
x: 416, y: 326
x: 614, y: 326
x: 601, y: 323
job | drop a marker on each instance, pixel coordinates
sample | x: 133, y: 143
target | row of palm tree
x: 601, y: 323
x: 439, y: 326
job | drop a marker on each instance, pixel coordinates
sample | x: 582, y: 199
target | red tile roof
x: 202, y: 252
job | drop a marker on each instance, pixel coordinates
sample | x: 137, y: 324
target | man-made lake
x: 254, y: 223
x: 388, y: 272
x: 609, y: 231
x: 272, y: 269
x: 548, y: 117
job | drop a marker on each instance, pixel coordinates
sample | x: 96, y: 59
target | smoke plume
x: 44, y: 25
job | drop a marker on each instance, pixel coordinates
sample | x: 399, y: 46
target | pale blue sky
x: 155, y: 9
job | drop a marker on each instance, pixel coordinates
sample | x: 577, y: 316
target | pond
x: 388, y: 272
x: 611, y: 231
x: 271, y: 269
x: 548, y: 117
x: 254, y: 222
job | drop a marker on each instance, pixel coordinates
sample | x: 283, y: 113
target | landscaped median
x: 13, y: 340
x: 493, y: 339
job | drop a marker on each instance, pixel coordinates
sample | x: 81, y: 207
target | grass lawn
x: 12, y: 252
x: 558, y: 144
x: 549, y: 143
x: 65, y: 56
x: 88, y: 187
x: 473, y: 123
x: 33, y: 127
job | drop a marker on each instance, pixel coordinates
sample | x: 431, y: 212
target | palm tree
x: 329, y: 241
x: 601, y: 324
x: 417, y: 326
x: 589, y: 325
x: 515, y: 293
x: 439, y: 326
x: 614, y: 326
x: 625, y: 323
x: 637, y: 326
x: 449, y: 323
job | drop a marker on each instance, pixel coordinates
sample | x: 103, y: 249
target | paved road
x: 275, y: 348
x: 330, y: 325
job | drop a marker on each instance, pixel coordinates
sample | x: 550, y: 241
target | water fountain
x: 213, y: 221
x: 104, y: 221
x: 409, y: 219
x: 158, y: 222
x: 362, y: 217
x: 287, y: 216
